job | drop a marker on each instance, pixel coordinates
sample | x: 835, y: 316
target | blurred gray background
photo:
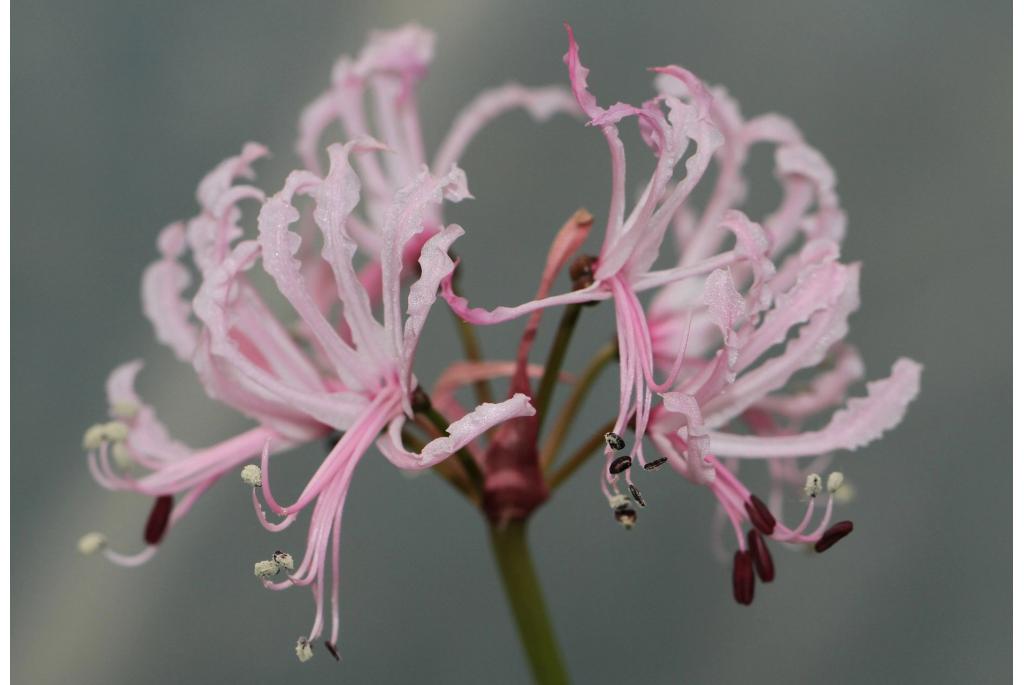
x: 119, y: 108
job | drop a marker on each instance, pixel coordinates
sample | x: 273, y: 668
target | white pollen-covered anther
x: 115, y: 431
x: 124, y: 410
x: 252, y: 475
x: 618, y: 501
x: 303, y: 650
x: 812, y: 486
x: 94, y: 437
x: 266, y: 569
x: 90, y: 543
x: 284, y: 560
x: 122, y: 457
x: 835, y: 481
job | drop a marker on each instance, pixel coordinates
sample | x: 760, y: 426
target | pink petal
x: 163, y: 285
x: 460, y: 433
x: 863, y: 420
x: 540, y: 103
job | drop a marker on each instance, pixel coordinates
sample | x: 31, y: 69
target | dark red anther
x: 159, y: 519
x: 619, y: 464
x: 763, y: 562
x: 332, y: 649
x: 759, y: 515
x: 833, y: 535
x: 743, y: 577
x: 581, y: 272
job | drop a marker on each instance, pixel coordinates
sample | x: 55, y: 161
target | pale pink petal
x: 278, y: 247
x: 405, y: 220
x: 435, y: 266
x: 540, y: 103
x: 218, y: 181
x: 726, y: 308
x: 863, y: 420
x: 695, y: 434
x: 163, y: 285
x: 827, y: 389
x: 479, y: 316
x: 460, y: 433
x: 336, y: 197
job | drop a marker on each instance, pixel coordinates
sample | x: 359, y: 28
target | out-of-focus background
x: 119, y: 108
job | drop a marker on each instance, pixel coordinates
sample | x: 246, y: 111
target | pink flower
x: 302, y: 382
x: 723, y: 310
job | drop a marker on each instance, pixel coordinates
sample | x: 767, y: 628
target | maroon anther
x: 332, y: 649
x: 743, y: 577
x: 763, y: 562
x: 759, y: 515
x: 619, y: 464
x: 833, y: 535
x: 159, y: 519
x: 581, y: 271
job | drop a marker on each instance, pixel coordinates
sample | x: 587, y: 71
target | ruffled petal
x: 163, y: 285
x: 460, y: 433
x: 863, y: 420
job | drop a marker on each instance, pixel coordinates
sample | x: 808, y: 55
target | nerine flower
x: 723, y: 311
x: 303, y: 382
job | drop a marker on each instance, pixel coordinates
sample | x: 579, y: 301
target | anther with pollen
x: 655, y: 464
x: 633, y: 490
x: 620, y: 464
x: 159, y: 519
x: 614, y: 441
x: 332, y: 649
x: 833, y: 535
x: 763, y: 562
x: 303, y: 650
x: 743, y: 577
x: 760, y: 515
x: 626, y: 517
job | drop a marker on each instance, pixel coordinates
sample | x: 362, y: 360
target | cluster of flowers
x: 747, y: 306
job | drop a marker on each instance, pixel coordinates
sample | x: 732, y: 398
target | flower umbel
x: 747, y: 326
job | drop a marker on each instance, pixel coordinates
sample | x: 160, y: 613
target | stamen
x: 303, y: 650
x: 94, y: 436
x: 332, y: 649
x: 266, y: 569
x: 115, y: 431
x: 743, y: 578
x: 833, y: 535
x: 763, y: 562
x: 626, y: 517
x: 284, y: 560
x: 124, y: 410
x: 760, y: 515
x: 159, y: 518
x: 90, y: 543
x: 835, y: 481
x: 615, y: 441
x: 252, y: 475
x: 122, y: 457
x: 636, y: 495
x: 618, y: 501
x: 620, y: 464
x: 656, y: 464
x: 812, y: 487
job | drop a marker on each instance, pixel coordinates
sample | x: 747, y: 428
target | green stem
x: 579, y: 457
x: 526, y: 598
x: 466, y: 459
x: 571, y: 408
x: 556, y: 355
